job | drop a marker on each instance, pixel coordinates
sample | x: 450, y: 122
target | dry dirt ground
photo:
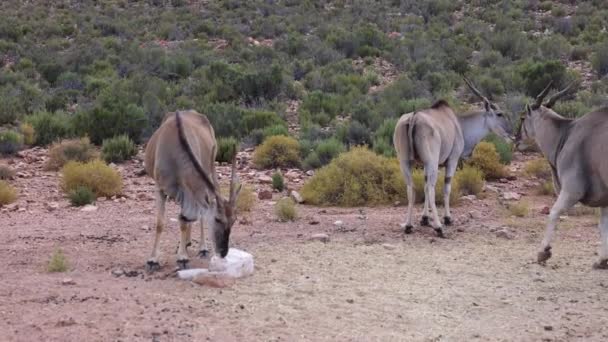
x: 370, y: 282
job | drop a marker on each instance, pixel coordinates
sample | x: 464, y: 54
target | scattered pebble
x: 504, y: 234
x: 388, y: 246
x: 68, y: 281
x: 509, y: 195
x: 338, y: 223
x: 296, y: 197
x: 88, y: 208
x: 265, y: 195
x: 320, y: 237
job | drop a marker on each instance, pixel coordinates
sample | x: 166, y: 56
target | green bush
x: 10, y: 142
x: 95, y: 175
x: 58, y: 262
x: 355, y: 178
x: 80, y: 196
x: 327, y: 150
x: 273, y: 130
x: 226, y: 148
x: 504, y: 149
x: 118, y: 149
x: 278, y: 183
x: 260, y: 120
x: 383, y: 138
x: 285, y: 210
x: 487, y: 160
x: 571, y: 109
x: 600, y: 59
x: 8, y: 194
x: 312, y: 161
x: 79, y: 150
x: 102, y: 123
x: 49, y: 127
x: 277, y: 151
x: 537, y: 75
x: 470, y: 180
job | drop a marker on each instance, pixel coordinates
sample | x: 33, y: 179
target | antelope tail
x: 411, y: 129
x: 191, y: 156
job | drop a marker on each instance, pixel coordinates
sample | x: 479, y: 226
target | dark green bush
x: 226, y: 147
x: 537, y: 75
x: 118, y: 149
x: 504, y: 149
x: 383, y: 138
x: 10, y: 142
x: 82, y: 195
x: 327, y: 150
x: 600, y: 59
x: 273, y: 130
x: 50, y: 127
x: 278, y: 183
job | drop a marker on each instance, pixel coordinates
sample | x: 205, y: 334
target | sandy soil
x: 370, y: 282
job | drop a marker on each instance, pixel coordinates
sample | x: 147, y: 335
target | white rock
x: 51, y: 206
x: 310, y: 173
x: 388, y: 246
x: 236, y: 264
x: 88, y: 208
x: 296, y: 197
x: 320, y: 237
x: 509, y: 195
x: 338, y: 223
x: 470, y: 198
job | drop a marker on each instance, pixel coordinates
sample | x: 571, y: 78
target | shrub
x: 96, y: 175
x: 504, y: 149
x: 546, y: 188
x: 538, y: 74
x: 58, y: 262
x: 80, y: 196
x: 273, y: 130
x: 285, y: 210
x: 8, y: 194
x: 418, y: 180
x: 260, y: 120
x: 80, y: 150
x: 246, y: 199
x: 519, y: 209
x: 28, y: 133
x: 470, y: 180
x: 312, y: 161
x: 278, y: 183
x: 49, y: 127
x: 101, y: 123
x: 6, y: 172
x: 276, y: 152
x: 328, y: 150
x: 600, y: 59
x: 357, y: 177
x: 538, y: 168
x: 226, y: 148
x: 118, y: 149
x: 487, y: 160
x: 383, y: 138
x: 10, y: 142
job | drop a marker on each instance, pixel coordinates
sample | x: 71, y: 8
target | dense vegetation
x: 102, y: 68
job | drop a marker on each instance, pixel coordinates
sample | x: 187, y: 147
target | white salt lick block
x: 236, y: 264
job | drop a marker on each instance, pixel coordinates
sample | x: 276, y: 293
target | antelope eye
x: 218, y: 220
x: 498, y: 114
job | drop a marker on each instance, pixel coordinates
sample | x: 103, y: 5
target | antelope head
x: 495, y: 119
x: 225, y: 213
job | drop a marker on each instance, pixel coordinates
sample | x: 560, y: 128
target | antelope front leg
x: 430, y: 192
x: 564, y: 201
x: 203, y: 251
x: 152, y: 264
x: 602, y: 263
x: 450, y: 170
x: 182, y: 254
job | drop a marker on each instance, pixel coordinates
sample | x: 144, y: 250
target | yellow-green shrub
x: 285, y: 209
x: 519, y: 209
x: 8, y: 194
x: 487, y: 160
x: 60, y: 153
x: 539, y: 168
x: 58, y: 262
x: 6, y: 172
x: 27, y: 130
x: 546, y: 188
x: 246, y: 199
x: 470, y: 180
x: 96, y: 175
x: 358, y: 177
x: 418, y: 180
x: 277, y: 151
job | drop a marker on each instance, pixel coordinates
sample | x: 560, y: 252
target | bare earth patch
x: 370, y: 282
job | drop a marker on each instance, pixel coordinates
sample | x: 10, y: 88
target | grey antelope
x: 576, y: 152
x: 180, y: 157
x: 437, y: 137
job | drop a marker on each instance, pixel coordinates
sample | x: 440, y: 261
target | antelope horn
x: 475, y: 91
x: 557, y: 95
x: 541, y: 96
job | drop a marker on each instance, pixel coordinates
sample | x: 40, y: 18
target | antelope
x: 180, y: 157
x: 574, y: 148
x: 438, y: 137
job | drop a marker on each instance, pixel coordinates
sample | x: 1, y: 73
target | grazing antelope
x: 576, y: 152
x: 180, y: 158
x: 437, y: 137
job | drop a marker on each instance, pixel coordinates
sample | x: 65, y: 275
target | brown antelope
x: 180, y: 158
x: 437, y: 137
x: 574, y: 148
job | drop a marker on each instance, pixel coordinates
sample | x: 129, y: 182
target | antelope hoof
x: 152, y: 266
x: 203, y: 253
x: 447, y: 221
x: 439, y: 232
x: 601, y: 265
x: 189, y: 244
x: 183, y: 264
x: 408, y: 229
x: 425, y: 221
x: 544, y: 255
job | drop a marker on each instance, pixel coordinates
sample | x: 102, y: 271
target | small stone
x: 474, y: 215
x: 118, y: 272
x: 21, y: 210
x: 338, y: 223
x: 213, y: 280
x: 68, y: 281
x: 388, y: 246
x: 52, y: 206
x: 491, y: 188
x: 509, y: 195
x: 350, y: 301
x: 12, y: 207
x: 265, y: 179
x: 310, y: 173
x: 396, y: 203
x: 545, y: 211
x: 320, y: 237
x: 265, y: 195
x: 313, y: 222
x: 504, y: 234
x: 296, y: 197
x: 548, y: 328
x: 469, y: 198
x: 89, y: 208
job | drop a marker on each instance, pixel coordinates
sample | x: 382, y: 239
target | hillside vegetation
x: 103, y: 68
